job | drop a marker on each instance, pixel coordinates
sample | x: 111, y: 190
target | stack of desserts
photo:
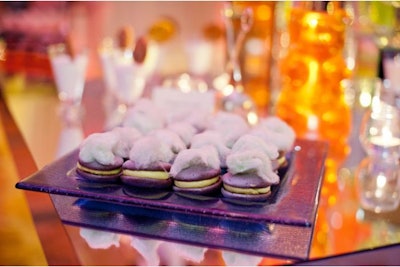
x: 201, y: 154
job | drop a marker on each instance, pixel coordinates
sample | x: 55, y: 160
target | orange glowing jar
x: 311, y: 99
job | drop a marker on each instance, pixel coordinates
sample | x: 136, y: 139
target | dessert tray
x: 280, y: 227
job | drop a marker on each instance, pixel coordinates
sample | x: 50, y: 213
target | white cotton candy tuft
x: 249, y: 142
x: 184, y: 129
x: 275, y: 130
x: 214, y: 139
x: 145, y: 116
x: 230, y: 125
x: 169, y: 138
x: 252, y: 161
x: 149, y: 150
x: 206, y: 156
x: 126, y: 137
x: 99, y: 147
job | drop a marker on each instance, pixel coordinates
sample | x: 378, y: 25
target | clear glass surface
x: 340, y: 216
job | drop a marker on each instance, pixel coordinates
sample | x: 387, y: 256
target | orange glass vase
x: 311, y: 98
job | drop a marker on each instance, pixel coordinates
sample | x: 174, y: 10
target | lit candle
x: 385, y: 141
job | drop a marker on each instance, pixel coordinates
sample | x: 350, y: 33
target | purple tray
x: 280, y: 227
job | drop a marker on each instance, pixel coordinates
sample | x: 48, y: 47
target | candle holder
x: 378, y: 175
x: 378, y: 185
x: 380, y: 130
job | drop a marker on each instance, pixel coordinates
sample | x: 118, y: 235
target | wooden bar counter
x: 32, y: 135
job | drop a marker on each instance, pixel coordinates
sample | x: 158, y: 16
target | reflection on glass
x: 70, y: 138
x: 183, y: 253
x: 148, y: 249
x: 98, y: 239
x: 237, y: 259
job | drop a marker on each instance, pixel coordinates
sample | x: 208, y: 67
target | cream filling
x: 196, y: 184
x: 281, y: 160
x: 247, y: 191
x: 98, y: 172
x: 160, y: 175
x: 278, y: 162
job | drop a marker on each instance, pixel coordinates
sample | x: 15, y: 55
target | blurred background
x: 28, y: 28
x: 191, y: 37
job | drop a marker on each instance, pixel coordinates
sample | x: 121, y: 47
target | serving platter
x: 292, y: 205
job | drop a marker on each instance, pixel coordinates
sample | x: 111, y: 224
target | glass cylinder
x: 312, y: 99
x: 380, y: 132
x: 255, y: 55
x: 378, y: 175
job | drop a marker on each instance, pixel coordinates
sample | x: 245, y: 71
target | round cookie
x: 198, y: 180
x: 97, y: 160
x: 245, y: 186
x: 97, y: 172
x: 152, y: 176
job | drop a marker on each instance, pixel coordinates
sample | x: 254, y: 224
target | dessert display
x: 148, y: 164
x: 97, y: 160
x: 250, y: 176
x: 225, y: 157
x: 197, y: 170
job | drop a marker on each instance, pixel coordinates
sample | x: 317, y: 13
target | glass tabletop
x: 339, y: 219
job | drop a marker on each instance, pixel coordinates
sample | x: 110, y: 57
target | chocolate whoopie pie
x: 245, y: 186
x: 198, y: 180
x: 155, y: 176
x: 97, y: 172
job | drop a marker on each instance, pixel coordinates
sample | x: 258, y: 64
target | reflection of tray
x: 257, y: 238
x: 293, y: 206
